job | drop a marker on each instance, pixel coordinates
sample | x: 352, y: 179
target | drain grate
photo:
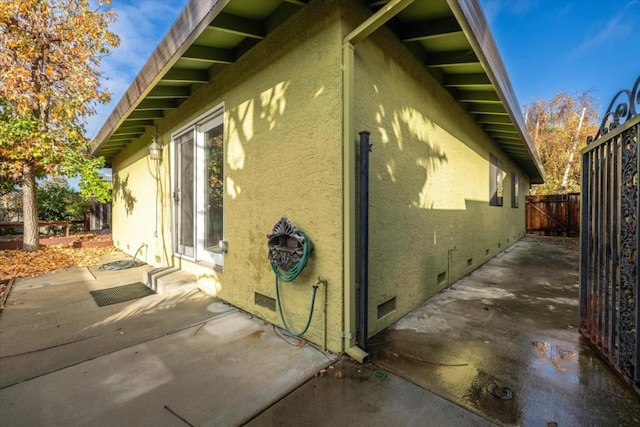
x: 120, y: 294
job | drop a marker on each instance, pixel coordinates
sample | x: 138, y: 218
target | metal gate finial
x: 623, y: 106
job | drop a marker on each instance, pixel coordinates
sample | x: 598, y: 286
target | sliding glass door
x: 183, y: 195
x: 199, y: 191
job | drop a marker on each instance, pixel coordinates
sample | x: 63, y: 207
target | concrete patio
x: 157, y: 360
x: 502, y: 343
x: 501, y: 346
x: 175, y: 358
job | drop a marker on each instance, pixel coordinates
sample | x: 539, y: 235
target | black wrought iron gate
x: 609, y: 237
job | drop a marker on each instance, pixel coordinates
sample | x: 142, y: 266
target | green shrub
x: 59, y: 202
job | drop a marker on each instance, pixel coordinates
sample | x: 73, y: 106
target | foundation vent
x: 469, y: 262
x: 265, y: 301
x: 386, y: 307
x: 442, y: 277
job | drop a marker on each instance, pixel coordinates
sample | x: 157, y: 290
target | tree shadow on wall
x: 121, y: 191
x: 406, y: 155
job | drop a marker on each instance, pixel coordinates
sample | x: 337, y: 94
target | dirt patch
x: 571, y: 243
x: 83, y: 239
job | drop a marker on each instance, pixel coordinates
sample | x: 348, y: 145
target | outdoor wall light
x: 155, y: 149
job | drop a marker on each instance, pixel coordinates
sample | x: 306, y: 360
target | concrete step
x: 166, y: 280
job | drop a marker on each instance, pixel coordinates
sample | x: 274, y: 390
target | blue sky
x: 570, y: 46
x: 547, y: 45
x: 141, y: 25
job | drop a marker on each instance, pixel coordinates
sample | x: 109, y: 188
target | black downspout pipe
x: 363, y: 240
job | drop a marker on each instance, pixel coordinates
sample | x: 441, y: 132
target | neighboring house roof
x: 450, y: 37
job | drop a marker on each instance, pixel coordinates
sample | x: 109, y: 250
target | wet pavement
x: 353, y: 394
x: 501, y: 346
x: 503, y: 342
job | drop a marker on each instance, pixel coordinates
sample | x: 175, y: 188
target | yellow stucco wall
x: 282, y: 122
x: 430, y: 219
x: 137, y: 202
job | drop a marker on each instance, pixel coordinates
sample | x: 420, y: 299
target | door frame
x: 199, y: 125
x: 202, y: 254
x: 180, y: 250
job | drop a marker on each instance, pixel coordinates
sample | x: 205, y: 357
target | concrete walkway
x: 501, y: 346
x: 162, y: 360
x: 351, y: 394
x: 503, y: 342
x: 179, y: 359
x: 52, y: 321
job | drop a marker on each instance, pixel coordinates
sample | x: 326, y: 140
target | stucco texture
x: 282, y: 123
x: 137, y: 203
x: 430, y: 220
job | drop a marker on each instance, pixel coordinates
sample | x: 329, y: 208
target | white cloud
x: 615, y: 28
x: 141, y: 25
x: 493, y: 8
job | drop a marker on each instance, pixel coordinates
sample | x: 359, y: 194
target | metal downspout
x: 374, y: 22
x: 363, y: 241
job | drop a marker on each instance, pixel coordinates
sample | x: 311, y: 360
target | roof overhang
x: 450, y: 37
x: 515, y: 141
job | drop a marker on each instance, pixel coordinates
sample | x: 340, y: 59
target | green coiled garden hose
x: 289, y: 276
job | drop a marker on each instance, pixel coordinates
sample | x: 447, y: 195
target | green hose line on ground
x: 124, y: 264
x: 284, y: 322
x: 289, y: 276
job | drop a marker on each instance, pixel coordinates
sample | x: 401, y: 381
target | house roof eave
x: 452, y: 34
x: 474, y: 25
x: 192, y: 21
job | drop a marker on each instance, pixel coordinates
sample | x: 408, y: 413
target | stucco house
x: 253, y: 111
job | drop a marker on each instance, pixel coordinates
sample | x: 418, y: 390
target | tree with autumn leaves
x: 50, y: 51
x: 560, y: 127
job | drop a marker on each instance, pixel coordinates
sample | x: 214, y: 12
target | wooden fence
x: 553, y: 215
x: 66, y: 224
x: 98, y: 216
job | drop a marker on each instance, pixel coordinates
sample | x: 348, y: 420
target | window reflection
x: 214, y: 188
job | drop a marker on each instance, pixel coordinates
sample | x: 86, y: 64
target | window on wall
x: 496, y: 178
x: 515, y: 190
